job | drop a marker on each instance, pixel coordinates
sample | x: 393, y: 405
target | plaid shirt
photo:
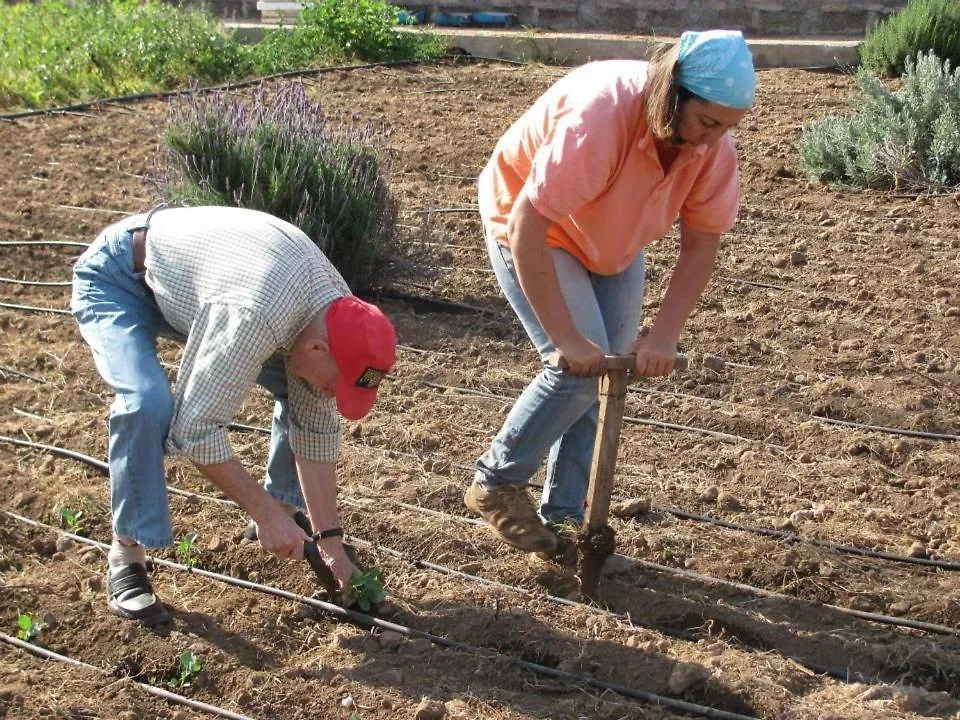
x: 240, y: 285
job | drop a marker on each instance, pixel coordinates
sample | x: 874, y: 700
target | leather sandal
x: 128, y: 583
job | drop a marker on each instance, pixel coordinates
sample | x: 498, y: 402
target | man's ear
x: 319, y: 345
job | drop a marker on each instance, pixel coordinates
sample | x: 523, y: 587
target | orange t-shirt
x: 589, y: 163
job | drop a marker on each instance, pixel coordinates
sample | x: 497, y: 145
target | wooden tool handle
x: 619, y: 362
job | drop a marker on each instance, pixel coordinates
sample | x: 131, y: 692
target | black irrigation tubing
x: 796, y: 538
x: 40, y: 283
x: 846, y: 676
x: 461, y: 308
x: 35, y: 378
x: 626, y: 418
x: 873, y: 617
x: 26, y: 243
x: 842, y: 675
x: 940, y: 437
x: 147, y: 688
x: 707, y: 519
x: 31, y: 308
x: 164, y: 94
x: 440, y: 304
x: 371, y: 621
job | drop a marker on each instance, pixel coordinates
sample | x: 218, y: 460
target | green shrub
x: 366, y: 30
x: 909, y: 138
x: 54, y: 51
x: 923, y: 26
x: 287, y: 158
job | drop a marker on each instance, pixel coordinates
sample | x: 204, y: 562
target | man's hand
x: 279, y: 534
x: 336, y: 559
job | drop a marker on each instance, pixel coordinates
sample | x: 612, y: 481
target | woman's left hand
x: 656, y: 354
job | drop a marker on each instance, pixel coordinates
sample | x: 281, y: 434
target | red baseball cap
x: 363, y: 343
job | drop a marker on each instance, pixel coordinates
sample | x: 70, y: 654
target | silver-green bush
x: 907, y: 138
x: 285, y: 156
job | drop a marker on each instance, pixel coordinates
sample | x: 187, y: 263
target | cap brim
x: 354, y: 402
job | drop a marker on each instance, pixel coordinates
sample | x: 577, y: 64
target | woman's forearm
x: 698, y: 254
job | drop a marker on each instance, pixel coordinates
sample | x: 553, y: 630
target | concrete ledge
x: 577, y: 48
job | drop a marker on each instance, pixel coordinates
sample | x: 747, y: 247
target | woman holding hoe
x: 599, y: 167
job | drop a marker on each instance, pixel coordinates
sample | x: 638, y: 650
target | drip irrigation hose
x: 147, y: 688
x: 25, y: 243
x: 31, y: 308
x: 797, y: 538
x: 370, y: 621
x: 873, y: 617
x: 164, y: 94
x: 38, y: 283
x: 4, y: 369
x: 686, y: 515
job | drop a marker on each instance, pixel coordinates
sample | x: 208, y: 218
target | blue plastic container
x: 493, y: 19
x: 412, y: 17
x: 452, y: 19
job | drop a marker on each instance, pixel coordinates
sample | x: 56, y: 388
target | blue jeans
x: 557, y: 412
x: 120, y: 321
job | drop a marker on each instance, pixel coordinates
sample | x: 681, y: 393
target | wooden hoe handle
x: 619, y: 362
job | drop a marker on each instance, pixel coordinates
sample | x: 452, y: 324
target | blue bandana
x: 717, y: 66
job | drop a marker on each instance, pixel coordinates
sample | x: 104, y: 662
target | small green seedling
x: 367, y: 587
x: 189, y: 669
x: 71, y: 519
x: 187, y: 549
x: 28, y: 627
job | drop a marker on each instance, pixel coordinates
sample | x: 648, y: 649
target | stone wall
x: 771, y: 18
x: 757, y: 18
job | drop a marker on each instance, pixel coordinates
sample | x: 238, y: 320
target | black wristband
x: 332, y: 532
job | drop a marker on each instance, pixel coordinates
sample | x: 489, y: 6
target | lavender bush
x: 285, y: 156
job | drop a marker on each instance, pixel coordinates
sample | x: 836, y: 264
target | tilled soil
x: 820, y: 406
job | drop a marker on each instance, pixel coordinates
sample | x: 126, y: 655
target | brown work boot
x: 511, y: 514
x: 565, y: 554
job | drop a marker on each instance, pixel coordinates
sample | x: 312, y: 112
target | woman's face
x: 703, y: 123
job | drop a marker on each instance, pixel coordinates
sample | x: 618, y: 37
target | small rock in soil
x: 917, y: 550
x: 710, y: 494
x: 430, y: 710
x: 714, y: 362
x: 728, y: 501
x: 875, y: 692
x: 94, y: 584
x: 618, y: 565
x: 685, y: 676
x: 419, y: 646
x: 630, y: 508
x: 392, y: 677
x: 390, y: 640
x: 45, y: 548
x: 215, y: 544
x: 65, y: 543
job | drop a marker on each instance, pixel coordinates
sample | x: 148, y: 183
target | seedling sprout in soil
x: 187, y: 549
x: 189, y: 668
x: 367, y: 587
x: 71, y: 520
x: 28, y: 628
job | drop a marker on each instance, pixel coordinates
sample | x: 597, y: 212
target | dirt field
x: 826, y: 306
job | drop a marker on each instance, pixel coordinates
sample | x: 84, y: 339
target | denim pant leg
x: 282, y: 482
x: 620, y: 300
x: 120, y: 321
x: 558, y: 412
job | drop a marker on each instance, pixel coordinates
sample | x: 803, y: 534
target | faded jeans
x: 120, y: 321
x: 557, y: 412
